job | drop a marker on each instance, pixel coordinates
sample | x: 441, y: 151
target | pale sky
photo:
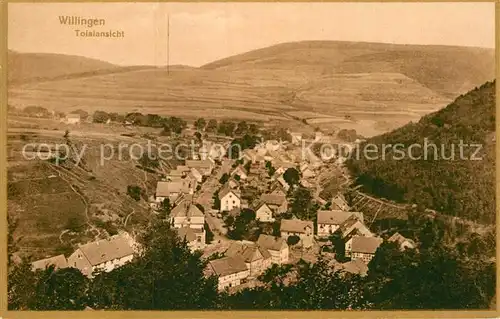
x: 204, y: 32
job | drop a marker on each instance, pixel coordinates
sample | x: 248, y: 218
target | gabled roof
x: 164, y: 189
x: 226, y: 190
x: 227, y: 266
x: 366, y: 245
x: 356, y: 267
x: 273, y: 199
x: 248, y: 252
x: 105, y: 250
x: 295, y: 225
x: 333, y: 217
x: 204, y: 164
x: 58, y: 261
x: 186, y: 233
x: 239, y: 171
x: 352, y: 223
x: 186, y: 208
x: 271, y: 242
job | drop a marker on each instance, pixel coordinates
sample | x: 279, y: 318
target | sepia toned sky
x: 203, y: 32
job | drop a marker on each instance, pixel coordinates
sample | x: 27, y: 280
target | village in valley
x: 245, y: 210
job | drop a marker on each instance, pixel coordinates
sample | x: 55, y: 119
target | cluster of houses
x: 101, y: 255
x: 245, y: 260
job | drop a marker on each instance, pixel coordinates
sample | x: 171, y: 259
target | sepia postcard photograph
x: 250, y: 156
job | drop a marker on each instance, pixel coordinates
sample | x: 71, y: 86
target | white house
x: 263, y: 212
x: 186, y: 214
x: 364, y: 248
x: 304, y: 229
x: 230, y: 271
x: 73, y: 118
x: 229, y: 199
x: 403, y: 242
x: 329, y: 221
x: 277, y: 247
x: 353, y: 227
x: 103, y: 255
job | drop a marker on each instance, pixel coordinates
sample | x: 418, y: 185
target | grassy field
x: 323, y: 80
x: 58, y: 206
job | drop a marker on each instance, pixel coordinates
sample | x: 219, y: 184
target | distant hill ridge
x: 448, y: 70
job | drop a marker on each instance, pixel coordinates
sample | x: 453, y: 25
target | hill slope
x: 25, y: 67
x: 447, y: 70
x: 456, y: 186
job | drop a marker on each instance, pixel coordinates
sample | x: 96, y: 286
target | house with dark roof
x: 256, y: 258
x: 304, y: 229
x: 59, y: 262
x: 277, y: 247
x: 102, y: 255
x: 364, y: 248
x: 354, y: 267
x: 231, y: 272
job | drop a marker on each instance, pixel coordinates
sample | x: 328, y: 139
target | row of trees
x: 167, y: 276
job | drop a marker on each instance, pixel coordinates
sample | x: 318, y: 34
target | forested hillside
x: 457, y: 185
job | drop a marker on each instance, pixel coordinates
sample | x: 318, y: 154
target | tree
x: 241, y: 128
x: 302, y: 204
x: 197, y: 135
x: 199, y: 124
x: 47, y: 289
x: 211, y: 126
x: 293, y: 240
x: 165, y: 208
x: 167, y: 131
x: 150, y: 161
x: 224, y: 178
x: 247, y: 167
x: 270, y: 169
x: 135, y: 192
x: 100, y: 117
x: 216, y: 200
x: 291, y: 176
x: 164, y: 276
x: 209, y: 235
x: 83, y: 114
